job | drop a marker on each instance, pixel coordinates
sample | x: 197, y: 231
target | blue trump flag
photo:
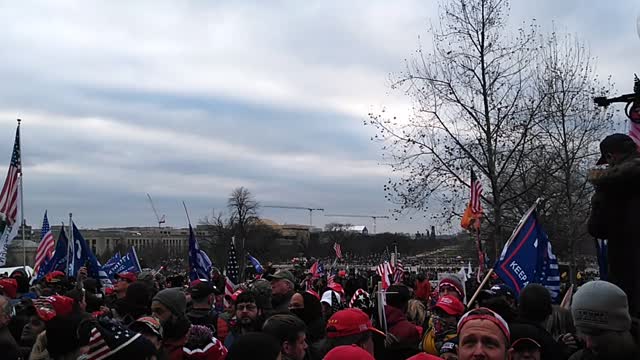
x: 528, y: 258
x: 256, y: 264
x: 58, y: 260
x: 114, y: 259
x: 83, y: 256
x: 199, y: 263
x: 127, y: 263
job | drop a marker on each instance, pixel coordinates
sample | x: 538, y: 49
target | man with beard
x: 282, y: 287
x: 169, y: 306
x: 248, y: 318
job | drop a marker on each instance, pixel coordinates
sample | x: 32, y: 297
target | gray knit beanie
x: 173, y: 299
x: 600, y: 305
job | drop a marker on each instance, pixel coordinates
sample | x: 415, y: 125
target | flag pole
x: 186, y: 212
x: 513, y: 235
x: 24, y: 249
x: 70, y: 245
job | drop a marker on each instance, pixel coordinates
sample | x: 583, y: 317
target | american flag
x: 232, y: 263
x: 47, y: 244
x: 228, y: 291
x: 331, y: 279
x: 9, y: 197
x: 338, y: 250
x: 398, y: 272
x: 109, y: 340
x: 384, y: 270
x: 476, y: 194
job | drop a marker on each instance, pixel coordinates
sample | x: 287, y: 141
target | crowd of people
x: 290, y: 314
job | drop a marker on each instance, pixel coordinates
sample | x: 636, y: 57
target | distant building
x: 360, y: 229
x: 103, y: 242
x: 15, y: 254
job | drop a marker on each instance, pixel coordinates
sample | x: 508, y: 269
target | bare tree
x: 220, y: 231
x: 243, y: 209
x: 570, y: 132
x: 474, y: 108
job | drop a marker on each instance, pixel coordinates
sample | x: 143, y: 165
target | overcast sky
x: 187, y: 100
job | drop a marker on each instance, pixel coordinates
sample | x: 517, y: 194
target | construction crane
x: 310, y: 210
x: 374, y: 217
x: 161, y: 219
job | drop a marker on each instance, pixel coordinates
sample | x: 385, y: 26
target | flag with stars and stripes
x: 398, y: 272
x: 384, y: 270
x: 472, y: 215
x: 111, y: 340
x: 528, y: 257
x: 232, y: 263
x: 10, y: 200
x: 338, y: 250
x: 46, y: 246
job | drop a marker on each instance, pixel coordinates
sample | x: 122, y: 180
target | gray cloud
x: 187, y: 100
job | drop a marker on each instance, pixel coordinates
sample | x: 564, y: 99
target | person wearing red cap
x: 8, y: 345
x: 451, y: 285
x: 122, y: 283
x: 351, y: 327
x: 62, y: 317
x: 483, y: 334
x: 9, y: 287
x: 443, y: 324
x: 348, y: 352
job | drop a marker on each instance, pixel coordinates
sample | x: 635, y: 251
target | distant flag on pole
x: 256, y: 264
x: 338, y: 250
x: 10, y: 200
x: 114, y: 259
x: 232, y: 263
x: 473, y: 213
x: 199, y: 263
x: 529, y: 258
x: 127, y: 263
x: 58, y: 260
x: 81, y: 255
x: 384, y: 270
x: 398, y: 272
x: 46, y: 246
